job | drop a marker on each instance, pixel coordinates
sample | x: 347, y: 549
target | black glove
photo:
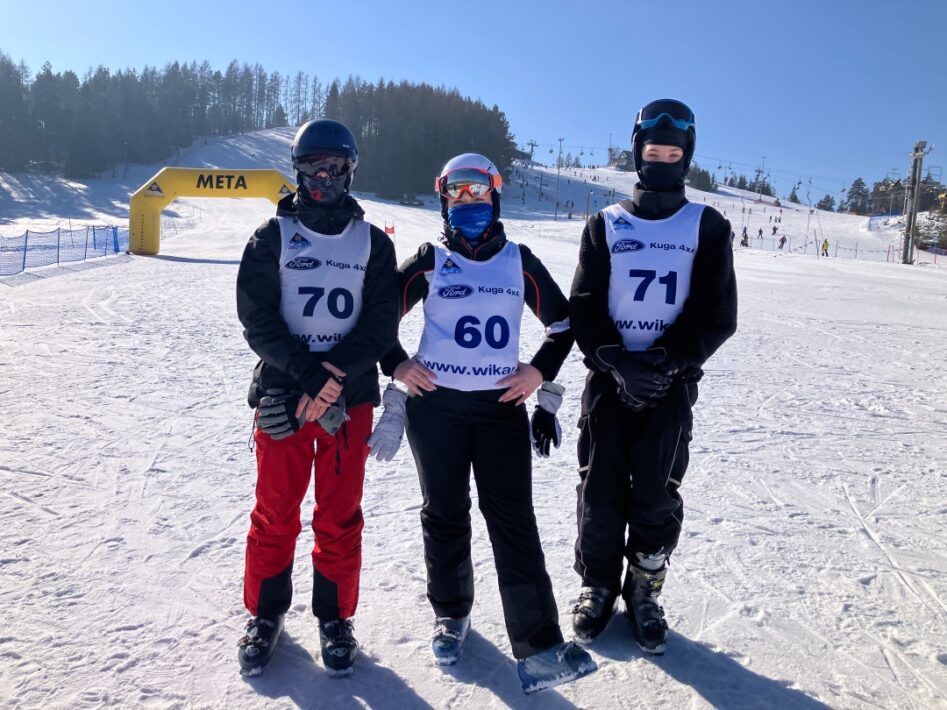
x: 544, y: 427
x: 641, y: 383
x: 681, y: 370
x: 276, y: 413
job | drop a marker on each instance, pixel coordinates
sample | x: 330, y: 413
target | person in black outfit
x: 467, y: 412
x: 317, y: 294
x: 645, y: 340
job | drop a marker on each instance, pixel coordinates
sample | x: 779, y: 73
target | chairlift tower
x: 558, y: 169
x: 912, y: 198
x: 760, y: 178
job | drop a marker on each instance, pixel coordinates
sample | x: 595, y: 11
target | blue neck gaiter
x: 470, y: 219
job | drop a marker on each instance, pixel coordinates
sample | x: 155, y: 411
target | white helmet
x: 470, y: 161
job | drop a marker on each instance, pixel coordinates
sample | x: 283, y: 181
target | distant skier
x: 782, y: 242
x: 774, y: 231
x: 468, y: 413
x: 318, y: 331
x: 760, y: 235
x: 645, y: 340
x: 825, y: 247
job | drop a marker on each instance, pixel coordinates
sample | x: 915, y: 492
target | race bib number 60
x: 496, y: 332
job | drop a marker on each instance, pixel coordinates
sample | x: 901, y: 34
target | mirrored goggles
x: 679, y: 123
x: 476, y: 183
x: 324, y: 166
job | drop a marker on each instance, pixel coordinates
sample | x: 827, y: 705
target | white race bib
x: 321, y: 279
x: 472, y: 317
x: 651, y: 262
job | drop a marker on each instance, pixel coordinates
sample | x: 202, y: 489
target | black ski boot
x: 592, y: 612
x: 338, y: 646
x: 641, y: 591
x: 258, y: 644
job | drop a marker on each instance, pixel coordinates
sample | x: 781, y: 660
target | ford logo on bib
x: 623, y: 245
x: 303, y: 263
x: 457, y: 291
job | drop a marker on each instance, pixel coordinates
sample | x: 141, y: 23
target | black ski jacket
x: 709, y: 316
x: 285, y: 361
x: 542, y: 295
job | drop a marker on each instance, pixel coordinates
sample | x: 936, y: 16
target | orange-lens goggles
x: 476, y: 183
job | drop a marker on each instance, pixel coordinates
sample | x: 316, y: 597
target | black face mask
x: 661, y: 177
x: 321, y: 190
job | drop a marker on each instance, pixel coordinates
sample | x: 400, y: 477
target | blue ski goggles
x: 679, y: 123
x: 674, y: 112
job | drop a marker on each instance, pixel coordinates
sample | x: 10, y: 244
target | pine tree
x: 332, y: 108
x: 858, y: 199
x: 700, y: 179
x: 15, y: 129
x: 827, y: 203
x: 928, y: 192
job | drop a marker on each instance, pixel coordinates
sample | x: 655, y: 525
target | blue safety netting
x: 33, y: 249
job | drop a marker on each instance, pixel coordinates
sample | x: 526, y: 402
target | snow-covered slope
x: 811, y: 571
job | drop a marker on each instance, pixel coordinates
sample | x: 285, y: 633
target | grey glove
x: 276, y: 413
x: 334, y: 417
x: 386, y: 437
x: 544, y: 427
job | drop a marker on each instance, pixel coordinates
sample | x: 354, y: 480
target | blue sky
x: 835, y: 89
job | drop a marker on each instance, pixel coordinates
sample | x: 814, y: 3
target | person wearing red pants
x: 317, y: 294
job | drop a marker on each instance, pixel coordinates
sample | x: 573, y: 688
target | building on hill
x: 623, y: 160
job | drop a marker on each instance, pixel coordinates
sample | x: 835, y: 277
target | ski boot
x: 258, y: 644
x: 592, y: 612
x: 642, y: 588
x: 448, y: 640
x: 338, y: 646
x: 554, y: 666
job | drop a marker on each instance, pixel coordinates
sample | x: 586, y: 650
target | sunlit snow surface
x: 811, y: 570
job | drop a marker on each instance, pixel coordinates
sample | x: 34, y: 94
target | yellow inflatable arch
x: 144, y: 218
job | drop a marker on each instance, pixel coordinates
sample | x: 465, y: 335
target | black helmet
x: 325, y: 157
x: 325, y: 136
x: 668, y: 122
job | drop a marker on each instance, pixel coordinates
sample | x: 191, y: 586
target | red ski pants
x: 284, y: 469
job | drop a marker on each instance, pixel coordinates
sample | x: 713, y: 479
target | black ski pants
x: 449, y: 432
x: 631, y: 465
